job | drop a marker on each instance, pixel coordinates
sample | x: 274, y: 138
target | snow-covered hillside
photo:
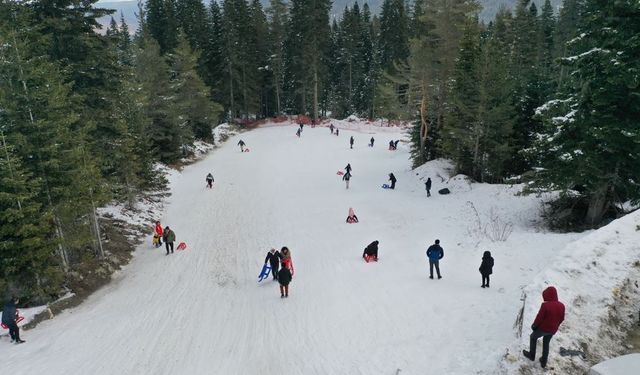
x: 202, y: 311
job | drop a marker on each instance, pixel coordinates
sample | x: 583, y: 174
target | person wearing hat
x: 546, y: 324
x: 435, y: 253
x: 9, y: 315
x: 169, y: 238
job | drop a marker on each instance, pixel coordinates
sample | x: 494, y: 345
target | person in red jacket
x: 159, y: 232
x: 549, y: 318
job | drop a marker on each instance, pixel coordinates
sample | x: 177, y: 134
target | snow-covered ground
x: 201, y: 311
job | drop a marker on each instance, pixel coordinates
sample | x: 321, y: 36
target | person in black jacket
x: 273, y: 257
x: 393, y: 180
x: 284, y: 278
x: 435, y: 253
x: 427, y: 185
x: 348, y: 168
x: 395, y: 144
x: 486, y: 268
x: 371, y: 250
x: 241, y: 144
x: 209, y: 180
x: 9, y: 315
x: 371, y: 142
x: 351, y: 140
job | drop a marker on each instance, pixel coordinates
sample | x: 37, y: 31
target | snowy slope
x: 202, y: 311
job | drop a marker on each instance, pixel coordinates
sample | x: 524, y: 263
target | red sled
x: 340, y: 173
x: 246, y: 150
x: 19, y: 318
x: 181, y: 246
x: 370, y: 258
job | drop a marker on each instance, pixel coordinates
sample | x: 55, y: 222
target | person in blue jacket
x: 435, y: 253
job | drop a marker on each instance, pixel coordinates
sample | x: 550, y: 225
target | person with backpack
x: 393, y: 180
x: 169, y: 238
x: 435, y: 253
x: 9, y: 318
x: 241, y: 144
x: 209, y: 180
x: 346, y: 177
x: 546, y: 324
x: 371, y: 142
x: 427, y: 185
x: 273, y: 257
x: 371, y: 251
x: 486, y: 268
x: 351, y: 140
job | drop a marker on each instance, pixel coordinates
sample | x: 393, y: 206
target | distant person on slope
x: 348, y: 168
x: 427, y: 185
x: 435, y: 253
x: 298, y: 132
x: 346, y: 178
x: 209, y: 180
x: 371, y: 251
x: 9, y: 316
x: 331, y: 127
x: 371, y: 142
x: 284, y: 278
x: 351, y: 140
x: 169, y: 238
x: 391, y: 145
x: 395, y: 144
x: 546, y: 324
x: 486, y: 268
x: 273, y: 257
x: 159, y: 233
x: 337, y: 131
x: 393, y: 180
x: 241, y: 144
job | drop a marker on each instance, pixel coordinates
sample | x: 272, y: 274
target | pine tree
x: 591, y: 139
x: 278, y: 20
x: 394, y: 34
x: 161, y: 23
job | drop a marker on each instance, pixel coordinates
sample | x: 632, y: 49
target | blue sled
x: 264, y: 273
x: 385, y: 186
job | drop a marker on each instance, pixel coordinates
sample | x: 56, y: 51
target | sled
x: 340, y: 173
x: 19, y: 318
x: 246, y: 150
x: 386, y: 186
x: 370, y: 258
x: 181, y: 246
x: 352, y: 220
x: 264, y: 273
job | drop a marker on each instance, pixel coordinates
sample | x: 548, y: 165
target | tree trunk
x: 424, y: 124
x: 315, y: 93
x: 231, y: 109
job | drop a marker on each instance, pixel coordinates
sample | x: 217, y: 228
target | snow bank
x: 597, y: 280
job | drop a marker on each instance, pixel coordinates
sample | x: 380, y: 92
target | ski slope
x: 201, y: 311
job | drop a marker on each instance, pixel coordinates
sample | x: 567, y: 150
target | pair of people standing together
x: 284, y: 275
x: 167, y: 235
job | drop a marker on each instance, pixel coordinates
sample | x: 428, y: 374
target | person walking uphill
x: 351, y: 140
x: 435, y: 253
x: 393, y: 180
x: 241, y: 144
x: 169, y: 239
x: 9, y: 315
x: 273, y: 257
x: 486, y: 268
x: 546, y: 324
x: 284, y: 278
x: 427, y: 185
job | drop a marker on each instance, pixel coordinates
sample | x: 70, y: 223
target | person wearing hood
x: 546, y: 324
x: 371, y: 250
x: 486, y: 268
x: 9, y: 316
x: 273, y: 257
x: 435, y: 253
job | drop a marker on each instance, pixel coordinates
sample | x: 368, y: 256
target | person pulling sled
x: 10, y: 319
x: 273, y: 258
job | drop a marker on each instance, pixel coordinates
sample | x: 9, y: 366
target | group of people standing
x: 283, y: 274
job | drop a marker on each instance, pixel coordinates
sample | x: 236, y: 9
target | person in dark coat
x: 241, y: 144
x: 393, y: 180
x: 371, y: 142
x: 284, y: 278
x: 435, y: 253
x: 395, y: 144
x: 351, y: 140
x: 9, y: 316
x: 427, y: 185
x: 331, y: 128
x: 391, y: 146
x: 169, y: 238
x: 301, y: 126
x: 486, y: 268
x: 348, y: 168
x: 273, y: 257
x: 337, y: 131
x: 209, y: 180
x: 546, y: 324
x: 298, y: 132
x: 371, y: 250
x: 346, y: 178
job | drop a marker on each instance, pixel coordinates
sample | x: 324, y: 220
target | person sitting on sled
x: 352, y: 218
x: 209, y: 181
x: 371, y: 251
